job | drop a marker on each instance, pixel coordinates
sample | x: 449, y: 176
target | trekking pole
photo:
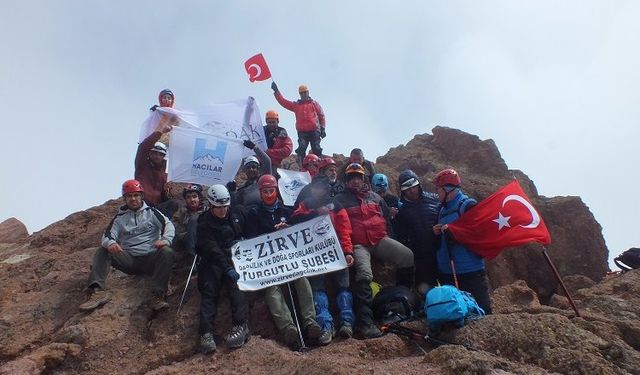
x: 557, y: 275
x: 295, y: 315
x: 187, y: 285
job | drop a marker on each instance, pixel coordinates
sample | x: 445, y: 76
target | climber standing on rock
x: 456, y: 263
x: 310, y: 122
x: 369, y: 217
x: 279, y: 145
x: 218, y: 230
x: 136, y: 242
x: 150, y: 170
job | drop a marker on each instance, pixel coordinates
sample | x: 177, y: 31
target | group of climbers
x: 409, y: 232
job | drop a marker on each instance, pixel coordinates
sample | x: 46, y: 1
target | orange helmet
x: 271, y: 114
x: 267, y: 181
x: 355, y: 168
x: 447, y: 177
x: 132, y: 186
x: 303, y: 88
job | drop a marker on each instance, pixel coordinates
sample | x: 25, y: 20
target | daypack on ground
x: 394, y: 303
x: 628, y: 260
x: 447, y: 304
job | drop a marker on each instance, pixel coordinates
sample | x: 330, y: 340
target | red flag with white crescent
x: 257, y: 69
x: 505, y: 219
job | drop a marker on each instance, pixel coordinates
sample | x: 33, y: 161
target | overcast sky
x: 555, y: 84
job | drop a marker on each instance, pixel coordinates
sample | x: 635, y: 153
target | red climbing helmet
x: 132, y: 186
x: 447, y: 177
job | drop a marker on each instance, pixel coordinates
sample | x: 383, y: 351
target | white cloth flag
x: 235, y: 119
x: 203, y: 158
x: 290, y: 184
x: 306, y: 249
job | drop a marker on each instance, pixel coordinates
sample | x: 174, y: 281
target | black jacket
x: 414, y: 224
x: 216, y: 236
x: 261, y: 221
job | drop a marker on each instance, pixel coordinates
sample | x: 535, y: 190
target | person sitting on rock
x: 357, y: 156
x: 218, y: 229
x: 417, y: 214
x: 321, y: 203
x: 369, y: 217
x: 279, y: 145
x: 248, y: 194
x: 185, y: 219
x: 150, y: 170
x: 469, y: 267
x: 136, y: 242
x: 268, y: 217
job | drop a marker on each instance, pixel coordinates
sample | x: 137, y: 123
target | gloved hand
x: 231, y: 186
x: 233, y: 275
x: 154, y: 107
x: 248, y: 144
x: 323, y: 133
x: 274, y: 87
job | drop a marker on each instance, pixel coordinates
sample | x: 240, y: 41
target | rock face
x: 577, y: 244
x: 12, y: 230
x: 43, y: 277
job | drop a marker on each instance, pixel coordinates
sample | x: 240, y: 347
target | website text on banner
x: 306, y: 249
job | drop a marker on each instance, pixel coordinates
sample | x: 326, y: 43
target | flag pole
x: 557, y: 275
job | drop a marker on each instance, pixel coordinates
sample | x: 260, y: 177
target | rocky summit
x: 533, y: 329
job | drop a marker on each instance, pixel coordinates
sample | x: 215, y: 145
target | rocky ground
x: 533, y: 330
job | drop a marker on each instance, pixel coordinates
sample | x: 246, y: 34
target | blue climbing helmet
x: 379, y: 182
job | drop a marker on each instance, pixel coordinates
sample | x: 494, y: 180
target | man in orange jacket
x: 310, y: 122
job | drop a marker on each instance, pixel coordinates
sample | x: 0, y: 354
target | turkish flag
x: 505, y: 219
x: 257, y: 68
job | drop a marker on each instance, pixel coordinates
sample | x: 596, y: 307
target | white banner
x: 290, y: 184
x: 238, y: 119
x: 306, y: 249
x: 203, y: 158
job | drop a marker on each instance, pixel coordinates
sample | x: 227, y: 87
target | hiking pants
x: 340, y: 279
x: 211, y: 280
x: 276, y: 298
x: 475, y: 283
x: 157, y: 263
x: 387, y: 250
x: 304, y: 138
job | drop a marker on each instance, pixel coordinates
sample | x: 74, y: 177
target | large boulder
x: 483, y: 172
x: 13, y: 230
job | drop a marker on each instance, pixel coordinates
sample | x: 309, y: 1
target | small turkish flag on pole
x: 257, y: 68
x: 505, y: 219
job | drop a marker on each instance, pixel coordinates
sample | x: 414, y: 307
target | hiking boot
x: 325, y: 337
x: 207, y: 343
x: 291, y: 338
x: 239, y: 336
x: 158, y: 303
x: 312, y: 331
x: 369, y: 331
x: 345, y: 331
x: 98, y: 298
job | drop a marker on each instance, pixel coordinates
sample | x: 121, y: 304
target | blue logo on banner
x: 208, y: 162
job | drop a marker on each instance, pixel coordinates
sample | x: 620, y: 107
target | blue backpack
x: 448, y: 304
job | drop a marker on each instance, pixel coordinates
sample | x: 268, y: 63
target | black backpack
x: 394, y: 303
x: 630, y: 259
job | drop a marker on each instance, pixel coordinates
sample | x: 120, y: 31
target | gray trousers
x: 277, y: 302
x: 340, y: 279
x: 158, y: 264
x: 387, y: 250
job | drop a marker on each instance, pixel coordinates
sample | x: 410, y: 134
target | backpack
x: 394, y: 303
x: 630, y: 258
x: 447, y: 304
